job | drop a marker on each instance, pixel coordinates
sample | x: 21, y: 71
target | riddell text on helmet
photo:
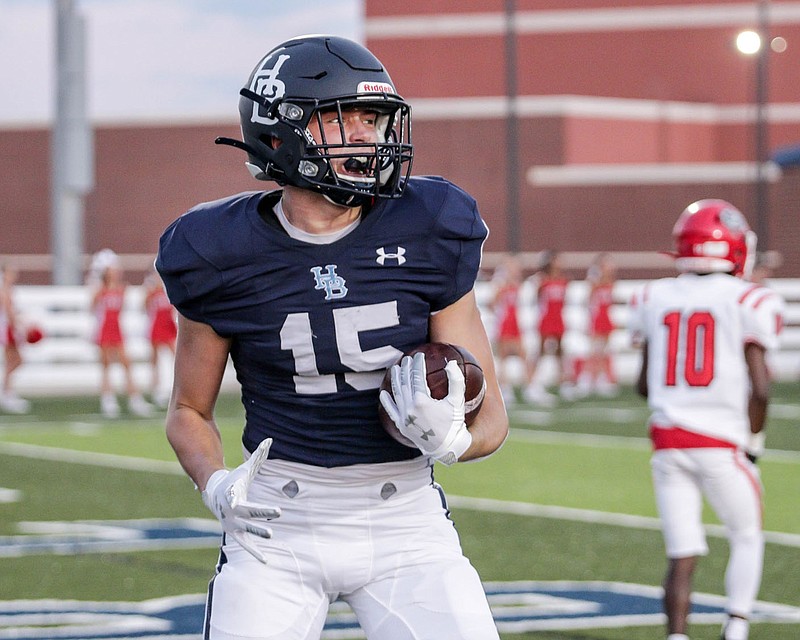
x: 374, y: 87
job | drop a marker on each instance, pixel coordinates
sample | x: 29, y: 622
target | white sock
x: 677, y: 636
x: 736, y: 629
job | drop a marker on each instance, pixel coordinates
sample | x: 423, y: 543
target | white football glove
x: 226, y: 496
x: 437, y: 427
x: 756, y: 446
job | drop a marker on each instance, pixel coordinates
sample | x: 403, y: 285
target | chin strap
x: 231, y: 142
x: 256, y: 171
x: 239, y: 144
x: 255, y: 97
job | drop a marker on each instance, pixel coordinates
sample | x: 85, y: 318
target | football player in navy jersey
x: 314, y: 290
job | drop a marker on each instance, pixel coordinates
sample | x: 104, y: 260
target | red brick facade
x: 637, y: 86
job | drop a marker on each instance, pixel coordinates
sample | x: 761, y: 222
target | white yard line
x: 86, y: 457
x: 618, y: 442
x: 465, y: 502
x: 595, y: 517
x: 580, y: 439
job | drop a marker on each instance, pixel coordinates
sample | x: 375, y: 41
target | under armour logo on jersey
x: 266, y: 83
x: 383, y: 256
x: 329, y: 281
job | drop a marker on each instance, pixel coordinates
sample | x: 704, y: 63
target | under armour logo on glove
x: 437, y: 427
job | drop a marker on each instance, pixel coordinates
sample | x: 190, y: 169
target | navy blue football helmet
x: 297, y: 81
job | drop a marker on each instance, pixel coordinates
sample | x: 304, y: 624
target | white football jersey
x: 696, y: 327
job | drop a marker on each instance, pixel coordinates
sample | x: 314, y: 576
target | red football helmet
x: 713, y: 235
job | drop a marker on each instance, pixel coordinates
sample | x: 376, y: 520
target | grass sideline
x: 541, y: 463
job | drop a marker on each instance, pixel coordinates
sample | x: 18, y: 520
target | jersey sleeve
x: 458, y: 236
x: 764, y: 317
x: 190, y: 280
x: 204, y: 258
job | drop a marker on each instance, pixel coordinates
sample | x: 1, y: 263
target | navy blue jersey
x: 314, y: 327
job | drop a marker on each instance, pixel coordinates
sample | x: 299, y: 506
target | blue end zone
x: 516, y: 606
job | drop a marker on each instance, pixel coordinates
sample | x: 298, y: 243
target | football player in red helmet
x: 713, y: 235
x: 704, y: 337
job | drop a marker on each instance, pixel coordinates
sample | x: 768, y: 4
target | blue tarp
x: 787, y: 156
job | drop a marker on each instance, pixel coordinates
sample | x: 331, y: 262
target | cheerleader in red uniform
x: 162, y: 332
x: 10, y: 402
x: 506, y: 282
x: 599, y: 368
x: 551, y: 292
x: 107, y: 303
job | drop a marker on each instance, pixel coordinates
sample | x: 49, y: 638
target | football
x: 437, y: 354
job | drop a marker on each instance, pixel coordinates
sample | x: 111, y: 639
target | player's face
x: 354, y: 126
x: 513, y: 271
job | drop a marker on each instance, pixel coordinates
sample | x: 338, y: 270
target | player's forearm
x: 755, y: 356
x: 489, y: 430
x: 757, y: 411
x: 641, y: 380
x: 196, y: 442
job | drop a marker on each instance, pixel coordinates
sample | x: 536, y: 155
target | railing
x: 66, y: 360
x: 784, y: 363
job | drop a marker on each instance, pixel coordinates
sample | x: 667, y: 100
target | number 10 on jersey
x: 694, y: 335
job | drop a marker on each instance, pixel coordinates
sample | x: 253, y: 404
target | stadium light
x: 748, y: 42
x: 751, y: 42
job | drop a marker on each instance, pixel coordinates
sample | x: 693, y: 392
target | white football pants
x: 732, y: 486
x: 374, y: 536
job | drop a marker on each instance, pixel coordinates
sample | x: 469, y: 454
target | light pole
x: 72, y: 148
x: 512, y: 131
x: 756, y: 43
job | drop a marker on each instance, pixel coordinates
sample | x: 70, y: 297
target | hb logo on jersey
x: 329, y: 281
x: 265, y: 83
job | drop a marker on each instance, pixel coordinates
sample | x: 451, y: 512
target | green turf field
x: 548, y: 507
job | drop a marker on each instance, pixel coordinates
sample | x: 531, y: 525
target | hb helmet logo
x: 266, y: 83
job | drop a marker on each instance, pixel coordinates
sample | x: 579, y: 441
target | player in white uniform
x: 704, y: 335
